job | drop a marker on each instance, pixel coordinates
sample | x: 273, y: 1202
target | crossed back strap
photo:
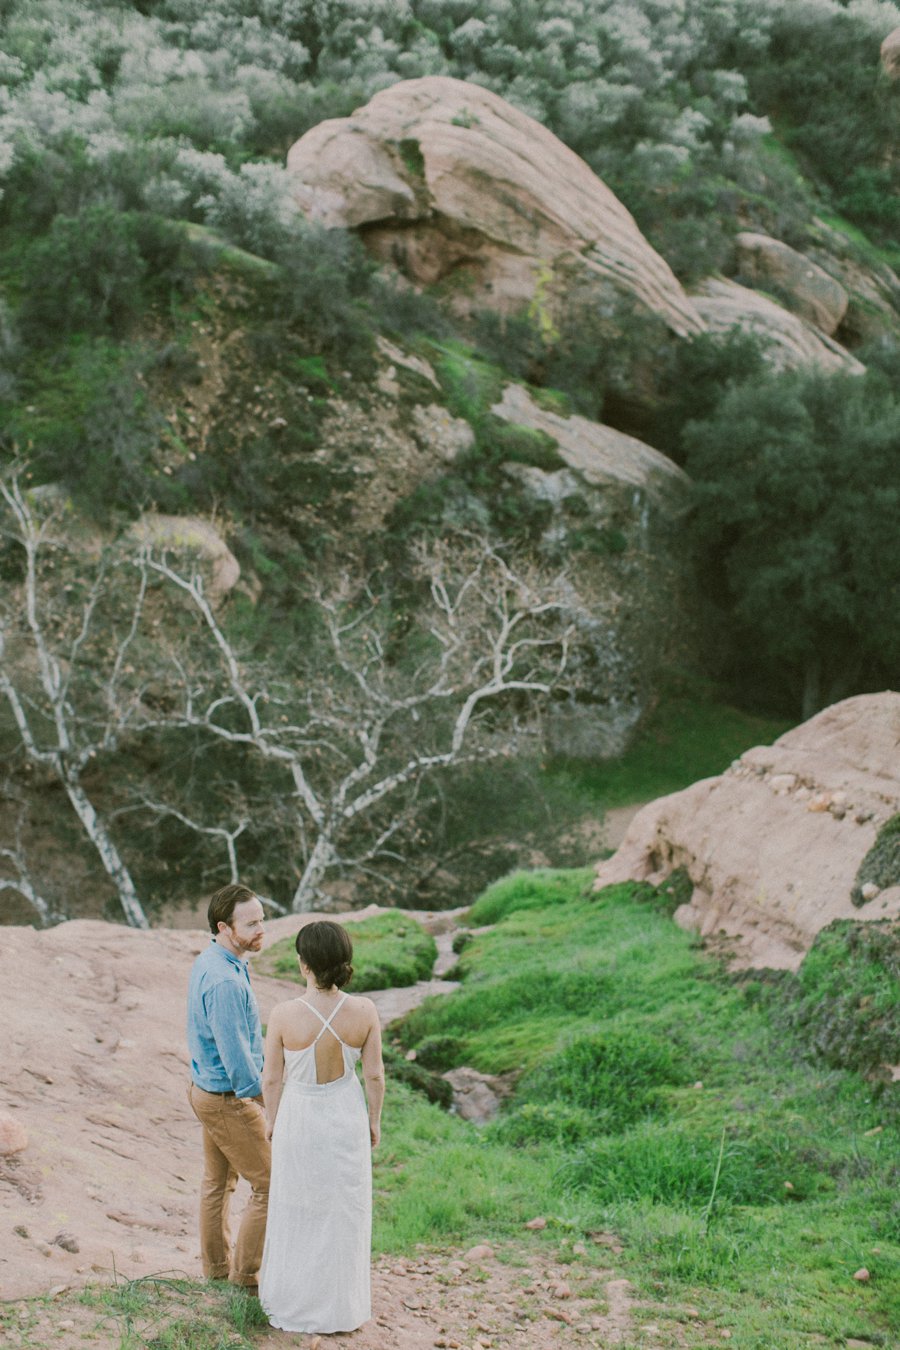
x: 327, y: 1021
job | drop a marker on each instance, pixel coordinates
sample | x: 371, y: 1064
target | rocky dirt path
x: 488, y: 1297
x: 515, y: 1294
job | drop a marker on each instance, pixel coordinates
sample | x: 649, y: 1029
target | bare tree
x: 326, y: 750
x: 384, y: 695
x: 66, y: 671
x: 14, y: 858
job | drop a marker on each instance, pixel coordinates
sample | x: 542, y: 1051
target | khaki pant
x: 234, y: 1144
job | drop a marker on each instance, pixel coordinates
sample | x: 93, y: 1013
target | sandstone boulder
x: 455, y: 185
x: 807, y: 289
x: 890, y: 55
x: 598, y: 454
x: 192, y: 535
x: 773, y: 846
x: 725, y: 305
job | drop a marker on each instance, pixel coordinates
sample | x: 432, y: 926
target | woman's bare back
x: 301, y: 1027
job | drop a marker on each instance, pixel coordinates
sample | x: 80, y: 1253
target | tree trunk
x: 109, y: 855
x: 307, y: 892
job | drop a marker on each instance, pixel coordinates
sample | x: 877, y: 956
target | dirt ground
x: 510, y: 1295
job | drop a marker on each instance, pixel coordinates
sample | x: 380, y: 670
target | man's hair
x: 222, y: 905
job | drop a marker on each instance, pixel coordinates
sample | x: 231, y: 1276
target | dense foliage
x: 797, y: 501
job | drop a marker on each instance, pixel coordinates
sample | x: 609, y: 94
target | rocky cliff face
x: 775, y: 847
x: 463, y: 192
x: 454, y: 185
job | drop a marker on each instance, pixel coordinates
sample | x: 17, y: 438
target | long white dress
x: 315, y: 1273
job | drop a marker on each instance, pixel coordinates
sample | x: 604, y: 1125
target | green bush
x: 84, y: 276
x: 529, y: 890
x: 94, y: 273
x: 96, y: 431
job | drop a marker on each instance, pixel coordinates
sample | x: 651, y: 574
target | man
x: 225, y: 1043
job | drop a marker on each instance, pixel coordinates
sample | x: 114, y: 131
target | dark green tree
x: 797, y: 531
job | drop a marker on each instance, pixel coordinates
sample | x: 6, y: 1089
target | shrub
x: 92, y: 272
x: 539, y: 889
x: 83, y: 276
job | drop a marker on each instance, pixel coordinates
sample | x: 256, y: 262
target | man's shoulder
x: 213, y: 967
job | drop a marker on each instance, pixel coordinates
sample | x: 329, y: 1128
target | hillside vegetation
x: 748, y: 1164
x: 176, y: 341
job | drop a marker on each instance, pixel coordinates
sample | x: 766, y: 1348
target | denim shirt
x: 223, y: 1028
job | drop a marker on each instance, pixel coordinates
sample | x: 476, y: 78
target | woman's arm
x: 273, y: 1070
x: 373, y: 1073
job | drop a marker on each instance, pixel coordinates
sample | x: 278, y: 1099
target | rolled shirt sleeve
x: 228, y: 1013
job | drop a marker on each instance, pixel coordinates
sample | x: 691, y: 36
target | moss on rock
x: 881, y: 865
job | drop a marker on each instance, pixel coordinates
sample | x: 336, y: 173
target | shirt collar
x: 229, y: 956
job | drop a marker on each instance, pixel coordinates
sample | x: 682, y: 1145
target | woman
x: 315, y: 1267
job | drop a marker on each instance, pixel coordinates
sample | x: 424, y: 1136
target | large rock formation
x: 773, y: 846
x: 454, y: 185
x: 725, y: 305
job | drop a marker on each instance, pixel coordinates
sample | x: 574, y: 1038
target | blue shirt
x: 223, y: 1028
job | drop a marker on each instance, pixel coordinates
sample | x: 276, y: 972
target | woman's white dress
x: 315, y: 1273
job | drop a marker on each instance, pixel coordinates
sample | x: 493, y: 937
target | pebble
x: 861, y: 1274
x: 579, y: 1249
x: 67, y: 1241
x: 561, y: 1290
x: 66, y: 1325
x: 537, y: 1224
x: 558, y: 1315
x: 43, y: 1247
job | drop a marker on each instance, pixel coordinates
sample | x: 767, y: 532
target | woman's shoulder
x: 361, y: 1005
x: 287, y: 1008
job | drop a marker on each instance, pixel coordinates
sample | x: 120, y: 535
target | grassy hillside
x: 687, y: 1110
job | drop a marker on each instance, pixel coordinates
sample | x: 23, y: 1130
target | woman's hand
x: 270, y: 1130
x: 374, y: 1133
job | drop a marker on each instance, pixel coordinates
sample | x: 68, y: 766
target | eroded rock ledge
x: 773, y: 846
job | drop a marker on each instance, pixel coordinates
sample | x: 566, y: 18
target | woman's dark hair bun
x: 340, y: 975
x: 326, y: 948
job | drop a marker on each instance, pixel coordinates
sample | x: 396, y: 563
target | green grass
x: 389, y: 951
x: 471, y: 385
x: 687, y: 737
x: 685, y: 1109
